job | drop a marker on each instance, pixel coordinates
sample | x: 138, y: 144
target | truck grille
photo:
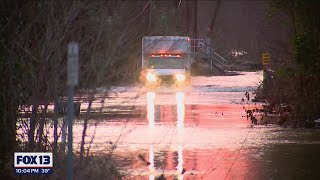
x: 169, y: 79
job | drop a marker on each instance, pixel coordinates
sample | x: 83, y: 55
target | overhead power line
x: 144, y: 8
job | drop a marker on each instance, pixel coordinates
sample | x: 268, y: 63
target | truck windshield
x: 166, y: 63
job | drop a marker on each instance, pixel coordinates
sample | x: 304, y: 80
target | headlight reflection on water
x: 150, y: 116
x: 180, y: 162
x: 180, y: 98
x: 180, y: 110
x: 150, y: 108
x: 151, y: 161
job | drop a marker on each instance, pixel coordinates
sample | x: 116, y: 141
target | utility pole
x: 195, y: 19
x: 150, y: 13
x: 188, y: 19
x: 213, y: 20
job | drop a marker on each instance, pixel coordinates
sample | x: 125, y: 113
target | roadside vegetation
x: 33, y: 66
x: 291, y: 87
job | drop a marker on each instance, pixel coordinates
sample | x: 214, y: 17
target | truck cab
x: 166, y: 69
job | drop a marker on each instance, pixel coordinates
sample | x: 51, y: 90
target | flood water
x: 199, y: 133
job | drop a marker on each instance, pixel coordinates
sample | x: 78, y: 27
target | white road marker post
x: 73, y: 79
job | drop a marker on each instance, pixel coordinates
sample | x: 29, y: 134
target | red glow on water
x: 178, y: 132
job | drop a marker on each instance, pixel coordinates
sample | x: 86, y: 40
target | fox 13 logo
x: 33, y: 162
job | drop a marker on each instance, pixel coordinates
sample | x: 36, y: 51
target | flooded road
x: 200, y: 133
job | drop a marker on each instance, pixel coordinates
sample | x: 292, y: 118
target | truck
x: 166, y: 60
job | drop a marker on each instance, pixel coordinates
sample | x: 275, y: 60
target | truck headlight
x: 151, y: 77
x: 180, y: 77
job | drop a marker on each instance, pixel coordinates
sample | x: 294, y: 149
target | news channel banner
x: 33, y: 163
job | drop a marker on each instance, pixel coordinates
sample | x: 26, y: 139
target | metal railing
x: 200, y: 47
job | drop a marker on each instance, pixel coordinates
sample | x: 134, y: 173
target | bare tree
x: 36, y: 35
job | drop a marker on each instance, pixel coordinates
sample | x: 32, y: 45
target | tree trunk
x: 55, y: 128
x: 85, y: 128
x: 33, y: 123
x: 7, y: 138
x: 42, y: 122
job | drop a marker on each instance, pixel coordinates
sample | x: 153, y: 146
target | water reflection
x: 180, y: 127
x: 150, y: 116
x: 180, y: 116
x: 201, y: 135
x: 180, y: 111
x: 151, y: 161
x: 180, y: 162
x: 150, y: 108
